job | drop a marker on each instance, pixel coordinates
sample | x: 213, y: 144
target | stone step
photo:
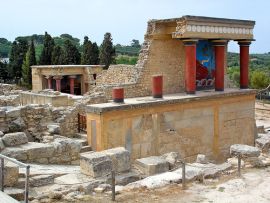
x: 81, y: 136
x: 15, y: 193
x: 86, y: 149
x: 36, y: 181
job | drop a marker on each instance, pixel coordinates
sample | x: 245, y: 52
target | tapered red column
x: 190, y: 66
x: 58, y: 83
x: 49, y: 80
x: 220, y: 47
x: 244, y: 63
x: 71, y: 83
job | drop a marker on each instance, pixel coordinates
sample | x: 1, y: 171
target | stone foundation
x: 207, y: 123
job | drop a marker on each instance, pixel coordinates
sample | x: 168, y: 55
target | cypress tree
x: 17, y: 54
x: 29, y: 60
x: 107, y: 51
x: 46, y: 54
x: 57, y: 55
x: 95, y: 54
x: 3, y: 71
x: 71, y: 53
x: 86, y: 52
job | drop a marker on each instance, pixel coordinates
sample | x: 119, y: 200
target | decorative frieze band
x: 214, y: 29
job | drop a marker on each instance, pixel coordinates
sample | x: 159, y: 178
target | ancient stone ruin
x: 143, y: 123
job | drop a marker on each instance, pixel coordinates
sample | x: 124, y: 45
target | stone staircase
x: 82, y: 137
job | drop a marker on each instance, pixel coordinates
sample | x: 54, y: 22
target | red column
x: 58, y: 83
x: 49, y: 79
x: 118, y: 94
x: 219, y: 64
x: 190, y: 66
x: 244, y: 63
x: 157, y: 86
x: 71, y: 83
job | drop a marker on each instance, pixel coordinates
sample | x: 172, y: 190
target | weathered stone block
x: 15, y: 152
x: 14, y: 139
x: 13, y: 113
x: 36, y: 151
x: 120, y: 158
x: 152, y: 165
x: 1, y: 134
x: 11, y: 174
x: 263, y: 142
x: 95, y: 164
x: 201, y: 158
x: 41, y: 180
x: 54, y: 129
x: 2, y: 146
x: 244, y: 150
x: 17, y: 125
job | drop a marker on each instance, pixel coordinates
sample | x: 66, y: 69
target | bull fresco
x: 205, y: 65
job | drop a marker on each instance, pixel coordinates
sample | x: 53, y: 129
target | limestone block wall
x: 198, y: 126
x: 157, y: 56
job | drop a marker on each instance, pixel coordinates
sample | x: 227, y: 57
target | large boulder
x: 244, y: 150
x: 11, y: 174
x: 53, y: 128
x: 14, y: 139
x: 17, y: 125
x: 95, y: 164
x: 152, y: 165
x: 263, y: 142
x: 120, y: 158
x: 2, y: 146
x: 1, y: 134
x: 172, y: 158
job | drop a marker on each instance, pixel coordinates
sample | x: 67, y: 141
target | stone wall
x: 9, y: 95
x: 197, y: 126
x: 157, y: 56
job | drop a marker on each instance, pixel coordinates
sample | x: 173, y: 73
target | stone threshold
x: 141, y: 102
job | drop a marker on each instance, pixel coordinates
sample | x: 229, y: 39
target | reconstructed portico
x: 72, y: 79
x: 198, y: 113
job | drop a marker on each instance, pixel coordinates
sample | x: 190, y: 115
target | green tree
x: 71, y: 53
x: 259, y: 80
x: 46, y: 54
x: 135, y: 43
x: 95, y: 54
x: 3, y: 71
x: 17, y: 54
x: 86, y: 51
x: 107, y: 51
x: 57, y: 55
x: 29, y: 60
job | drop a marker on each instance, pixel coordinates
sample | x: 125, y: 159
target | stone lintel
x: 142, y: 102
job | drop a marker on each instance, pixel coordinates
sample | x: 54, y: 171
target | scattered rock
x: 152, y: 165
x: 17, y: 125
x: 120, y: 158
x: 263, y: 142
x: 1, y: 134
x: 234, y: 162
x: 2, y: 146
x: 95, y: 164
x: 201, y: 158
x: 14, y: 139
x: 244, y: 150
x: 53, y: 129
x: 172, y: 158
x: 41, y: 180
x: 11, y: 174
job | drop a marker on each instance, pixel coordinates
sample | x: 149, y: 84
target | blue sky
x: 125, y: 19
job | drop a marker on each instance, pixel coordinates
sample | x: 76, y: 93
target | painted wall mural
x: 205, y: 64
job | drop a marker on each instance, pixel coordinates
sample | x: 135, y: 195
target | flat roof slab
x: 140, y: 102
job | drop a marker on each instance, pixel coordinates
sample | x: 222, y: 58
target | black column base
x: 219, y: 89
x: 157, y: 96
x: 190, y: 92
x: 243, y: 87
x: 116, y: 100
